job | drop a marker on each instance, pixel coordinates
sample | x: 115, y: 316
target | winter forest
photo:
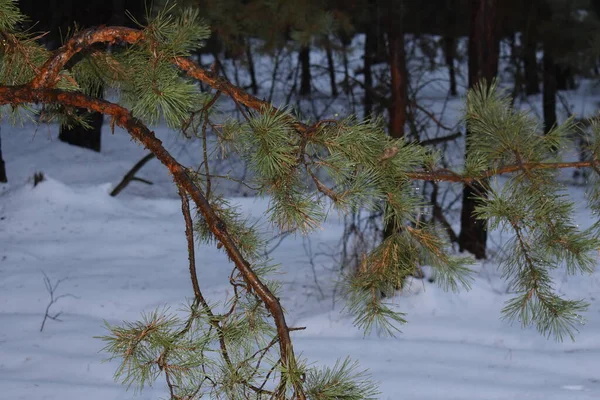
x: 300, y: 199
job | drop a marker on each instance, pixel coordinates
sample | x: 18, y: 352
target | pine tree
x: 484, y: 48
x: 398, y: 70
x: 246, y: 351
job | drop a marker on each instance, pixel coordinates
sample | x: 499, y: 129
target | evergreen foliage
x: 534, y: 206
x: 306, y: 22
x: 229, y: 350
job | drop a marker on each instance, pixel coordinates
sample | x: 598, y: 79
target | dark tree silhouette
x: 483, y: 64
x: 58, y: 18
x: 530, y: 41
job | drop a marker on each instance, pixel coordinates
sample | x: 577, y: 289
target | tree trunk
x: 304, y: 58
x: 532, y: 81
x: 331, y: 66
x: 345, y: 40
x: 564, y: 77
x: 484, y: 49
x: 399, y: 86
x: 549, y: 96
x: 370, y: 43
x: 449, y: 43
x: 450, y: 53
x: 3, y: 178
x: 515, y: 62
x: 82, y: 137
x: 251, y: 69
x: 57, y: 17
x: 79, y: 136
x: 399, y: 80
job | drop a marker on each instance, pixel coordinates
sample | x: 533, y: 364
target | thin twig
x: 204, y: 144
x: 438, y: 140
x: 51, y: 289
x: 431, y: 116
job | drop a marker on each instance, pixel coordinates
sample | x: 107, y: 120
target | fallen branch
x: 51, y: 289
x: 130, y: 176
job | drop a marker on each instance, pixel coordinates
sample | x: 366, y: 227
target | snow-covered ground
x: 118, y: 257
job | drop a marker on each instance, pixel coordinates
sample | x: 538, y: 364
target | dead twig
x: 130, y: 176
x: 51, y: 289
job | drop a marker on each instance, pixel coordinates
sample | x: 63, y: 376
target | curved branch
x: 48, y: 77
x: 24, y: 94
x: 49, y: 73
x: 221, y: 84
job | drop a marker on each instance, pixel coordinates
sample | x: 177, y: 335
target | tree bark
x: 484, y: 46
x: 449, y: 42
x: 368, y: 75
x: 399, y: 86
x: 399, y: 80
x: 305, y: 79
x: 549, y: 96
x: 331, y: 66
x: 251, y: 69
x: 530, y: 40
x: 345, y: 40
x: 450, y: 55
x: 532, y: 81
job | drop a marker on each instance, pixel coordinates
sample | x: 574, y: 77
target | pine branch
x: 360, y: 157
x: 48, y: 74
x: 199, y: 298
x: 86, y: 38
x: 25, y: 94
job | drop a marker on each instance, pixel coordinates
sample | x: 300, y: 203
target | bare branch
x: 51, y: 289
x: 438, y: 140
x: 130, y: 176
